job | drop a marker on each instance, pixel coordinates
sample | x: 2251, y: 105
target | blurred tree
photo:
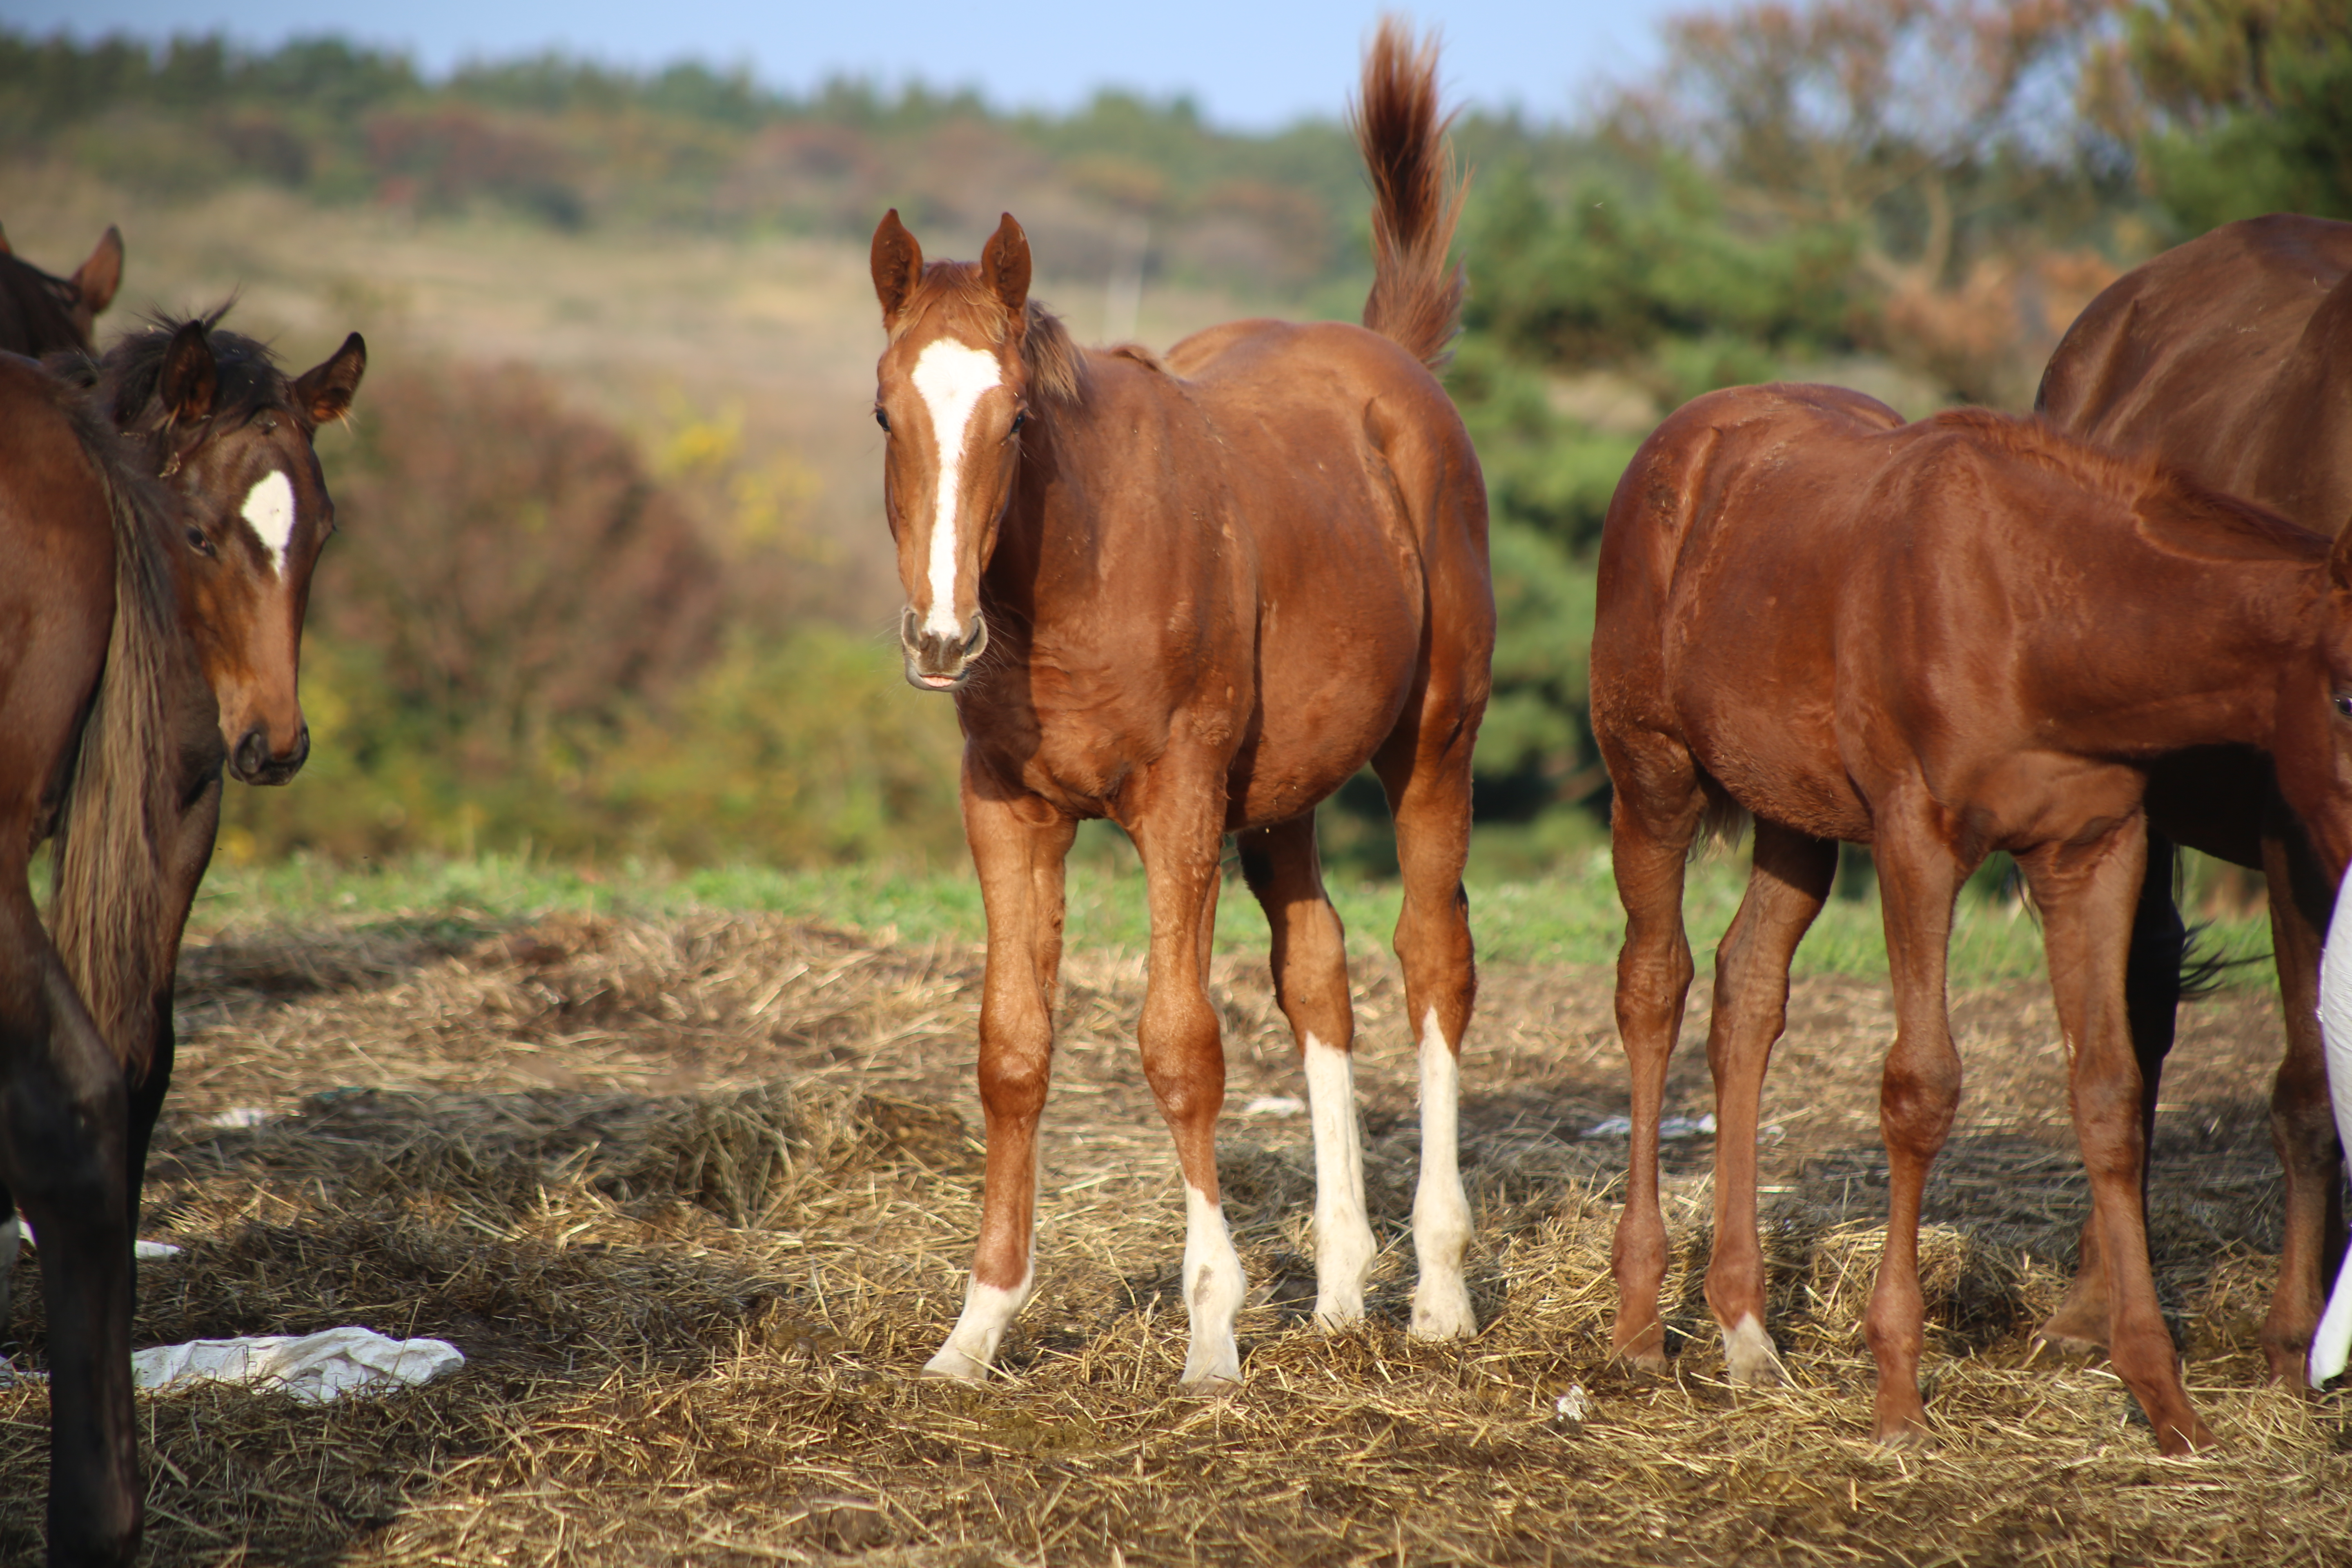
x: 2238, y: 107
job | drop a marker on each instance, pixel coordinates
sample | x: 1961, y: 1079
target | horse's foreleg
x: 1177, y: 820
x: 1018, y: 844
x: 1786, y: 886
x: 2087, y: 894
x: 1426, y: 771
x: 1919, y: 1093
x: 1651, y: 821
x: 2302, y: 1121
x: 1310, y: 982
x: 62, y: 1123
x: 2151, y: 1007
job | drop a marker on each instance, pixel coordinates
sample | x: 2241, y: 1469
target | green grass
x: 1567, y: 916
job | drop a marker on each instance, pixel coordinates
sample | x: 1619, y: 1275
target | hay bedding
x: 694, y: 1199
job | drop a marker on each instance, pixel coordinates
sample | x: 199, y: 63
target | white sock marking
x: 1440, y: 1209
x: 1749, y: 1354
x: 1214, y: 1288
x: 988, y: 1311
x: 270, y: 510
x: 1343, y: 1234
x: 2331, y: 1344
x: 951, y: 376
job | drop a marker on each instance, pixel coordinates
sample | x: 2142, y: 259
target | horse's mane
x: 36, y: 317
x: 1057, y: 367
x: 2170, y: 507
x: 128, y: 375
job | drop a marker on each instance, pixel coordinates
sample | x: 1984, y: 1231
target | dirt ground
x: 694, y: 1199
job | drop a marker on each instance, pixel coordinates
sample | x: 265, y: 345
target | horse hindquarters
x: 1310, y: 959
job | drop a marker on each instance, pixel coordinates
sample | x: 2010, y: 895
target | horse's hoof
x: 951, y: 1363
x: 1443, y: 1312
x: 1336, y: 1317
x: 1749, y: 1357
x: 1218, y: 1375
x: 1906, y: 1438
x: 2175, y: 1441
x: 2073, y: 1331
x: 1646, y: 1363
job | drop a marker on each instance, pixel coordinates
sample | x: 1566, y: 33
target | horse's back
x: 2229, y: 356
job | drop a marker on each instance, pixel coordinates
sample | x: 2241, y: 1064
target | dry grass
x: 694, y: 1197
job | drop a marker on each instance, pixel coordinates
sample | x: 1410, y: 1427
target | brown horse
x: 1900, y: 634
x: 157, y: 615
x: 41, y: 314
x: 2231, y: 358
x: 1194, y: 594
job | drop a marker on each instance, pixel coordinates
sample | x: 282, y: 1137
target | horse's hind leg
x: 1018, y: 843
x: 1310, y: 982
x: 2086, y: 892
x: 1652, y: 820
x: 1786, y: 886
x: 62, y: 1154
x: 1425, y: 768
x: 2151, y: 1006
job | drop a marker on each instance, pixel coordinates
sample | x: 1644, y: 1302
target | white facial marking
x: 1214, y: 1288
x: 1343, y: 1234
x: 1440, y: 1210
x: 951, y: 377
x: 269, y: 509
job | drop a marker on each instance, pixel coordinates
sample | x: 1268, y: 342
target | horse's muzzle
x: 253, y: 762
x: 936, y: 663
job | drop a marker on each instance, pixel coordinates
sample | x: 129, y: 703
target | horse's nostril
x: 252, y: 751
x: 972, y: 643
x: 909, y: 628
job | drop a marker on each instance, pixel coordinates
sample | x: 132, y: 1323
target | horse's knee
x: 1183, y: 1056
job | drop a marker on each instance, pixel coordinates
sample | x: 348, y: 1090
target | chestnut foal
x: 1895, y: 635
x: 1195, y: 595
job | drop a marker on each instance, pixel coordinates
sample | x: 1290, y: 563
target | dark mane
x: 35, y: 309
x: 1056, y: 365
x: 128, y: 375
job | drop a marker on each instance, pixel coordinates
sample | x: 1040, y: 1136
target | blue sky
x: 1249, y: 66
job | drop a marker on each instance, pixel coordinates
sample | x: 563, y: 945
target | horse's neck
x: 2213, y: 671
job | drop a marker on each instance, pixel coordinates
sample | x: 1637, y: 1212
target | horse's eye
x: 2344, y: 704
x: 882, y: 419
x: 1020, y: 418
x: 199, y: 544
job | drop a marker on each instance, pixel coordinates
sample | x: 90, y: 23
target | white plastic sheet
x: 2331, y: 1347
x: 314, y: 1368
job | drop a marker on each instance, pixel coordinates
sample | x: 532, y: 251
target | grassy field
x: 1570, y: 916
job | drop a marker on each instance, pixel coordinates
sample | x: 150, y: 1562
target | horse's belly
x: 1327, y: 701
x: 1781, y: 762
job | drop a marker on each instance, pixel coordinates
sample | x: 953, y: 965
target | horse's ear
x: 324, y: 392
x: 898, y: 264
x: 5, y: 248
x: 1004, y: 266
x: 191, y: 378
x: 101, y: 275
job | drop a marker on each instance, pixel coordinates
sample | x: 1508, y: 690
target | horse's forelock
x: 132, y: 372
x: 954, y: 296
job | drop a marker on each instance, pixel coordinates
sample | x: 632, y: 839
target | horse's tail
x: 108, y: 891
x: 1416, y: 298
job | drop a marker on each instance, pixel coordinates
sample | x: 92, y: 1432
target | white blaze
x: 951, y: 376
x: 269, y: 509
x: 2331, y: 1345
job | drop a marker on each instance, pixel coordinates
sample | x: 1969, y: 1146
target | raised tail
x: 1416, y: 298
x: 108, y: 894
